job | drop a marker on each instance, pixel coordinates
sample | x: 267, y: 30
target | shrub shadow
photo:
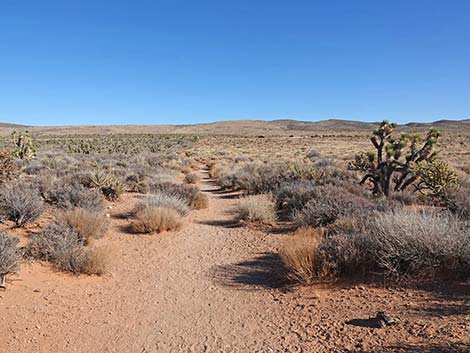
x: 230, y: 223
x: 459, y: 347
x: 127, y: 228
x: 124, y: 215
x: 265, y: 271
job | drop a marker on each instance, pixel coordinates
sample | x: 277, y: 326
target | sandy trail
x: 210, y: 287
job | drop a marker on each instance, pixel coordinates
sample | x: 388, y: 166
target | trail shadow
x: 123, y: 215
x: 282, y: 228
x: 458, y: 347
x: 265, y: 271
x: 127, y: 228
x: 230, y: 223
x: 446, y: 309
x: 451, y: 299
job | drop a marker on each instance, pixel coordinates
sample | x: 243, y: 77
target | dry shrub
x: 329, y: 203
x: 191, y: 178
x: 137, y: 182
x: 8, y: 168
x: 62, y: 246
x: 459, y: 200
x: 258, y: 209
x: 88, y: 225
x: 163, y: 200
x: 302, y: 256
x: 201, y: 201
x: 9, y: 254
x: 215, y: 169
x: 99, y: 261
x: 404, y: 244
x: 20, y: 203
x: 291, y: 197
x: 194, y: 164
x: 157, y: 219
x: 67, y: 196
x: 183, y: 191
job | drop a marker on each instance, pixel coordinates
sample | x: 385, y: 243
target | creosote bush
x: 20, y: 203
x: 9, y: 254
x: 259, y: 209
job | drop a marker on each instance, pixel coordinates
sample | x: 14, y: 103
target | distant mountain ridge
x: 240, y: 127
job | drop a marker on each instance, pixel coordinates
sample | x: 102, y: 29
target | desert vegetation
x: 341, y: 198
x: 157, y: 214
x: 71, y: 181
x: 397, y: 213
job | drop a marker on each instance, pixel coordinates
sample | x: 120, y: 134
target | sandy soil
x: 214, y: 287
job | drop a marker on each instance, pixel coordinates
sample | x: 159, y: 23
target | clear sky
x: 174, y: 61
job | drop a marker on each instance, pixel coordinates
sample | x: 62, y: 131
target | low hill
x: 240, y: 127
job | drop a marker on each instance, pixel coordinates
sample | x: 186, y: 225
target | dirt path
x: 210, y: 287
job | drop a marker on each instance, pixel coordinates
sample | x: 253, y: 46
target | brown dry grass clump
x: 88, y: 225
x: 157, y: 219
x: 201, y: 201
x: 302, y: 256
x: 99, y: 261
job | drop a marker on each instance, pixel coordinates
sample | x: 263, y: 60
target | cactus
x: 435, y: 177
x: 394, y: 159
x: 24, y: 145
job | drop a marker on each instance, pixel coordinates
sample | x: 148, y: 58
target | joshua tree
x: 24, y: 146
x: 394, y: 159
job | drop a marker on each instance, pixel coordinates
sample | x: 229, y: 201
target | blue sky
x: 152, y: 62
